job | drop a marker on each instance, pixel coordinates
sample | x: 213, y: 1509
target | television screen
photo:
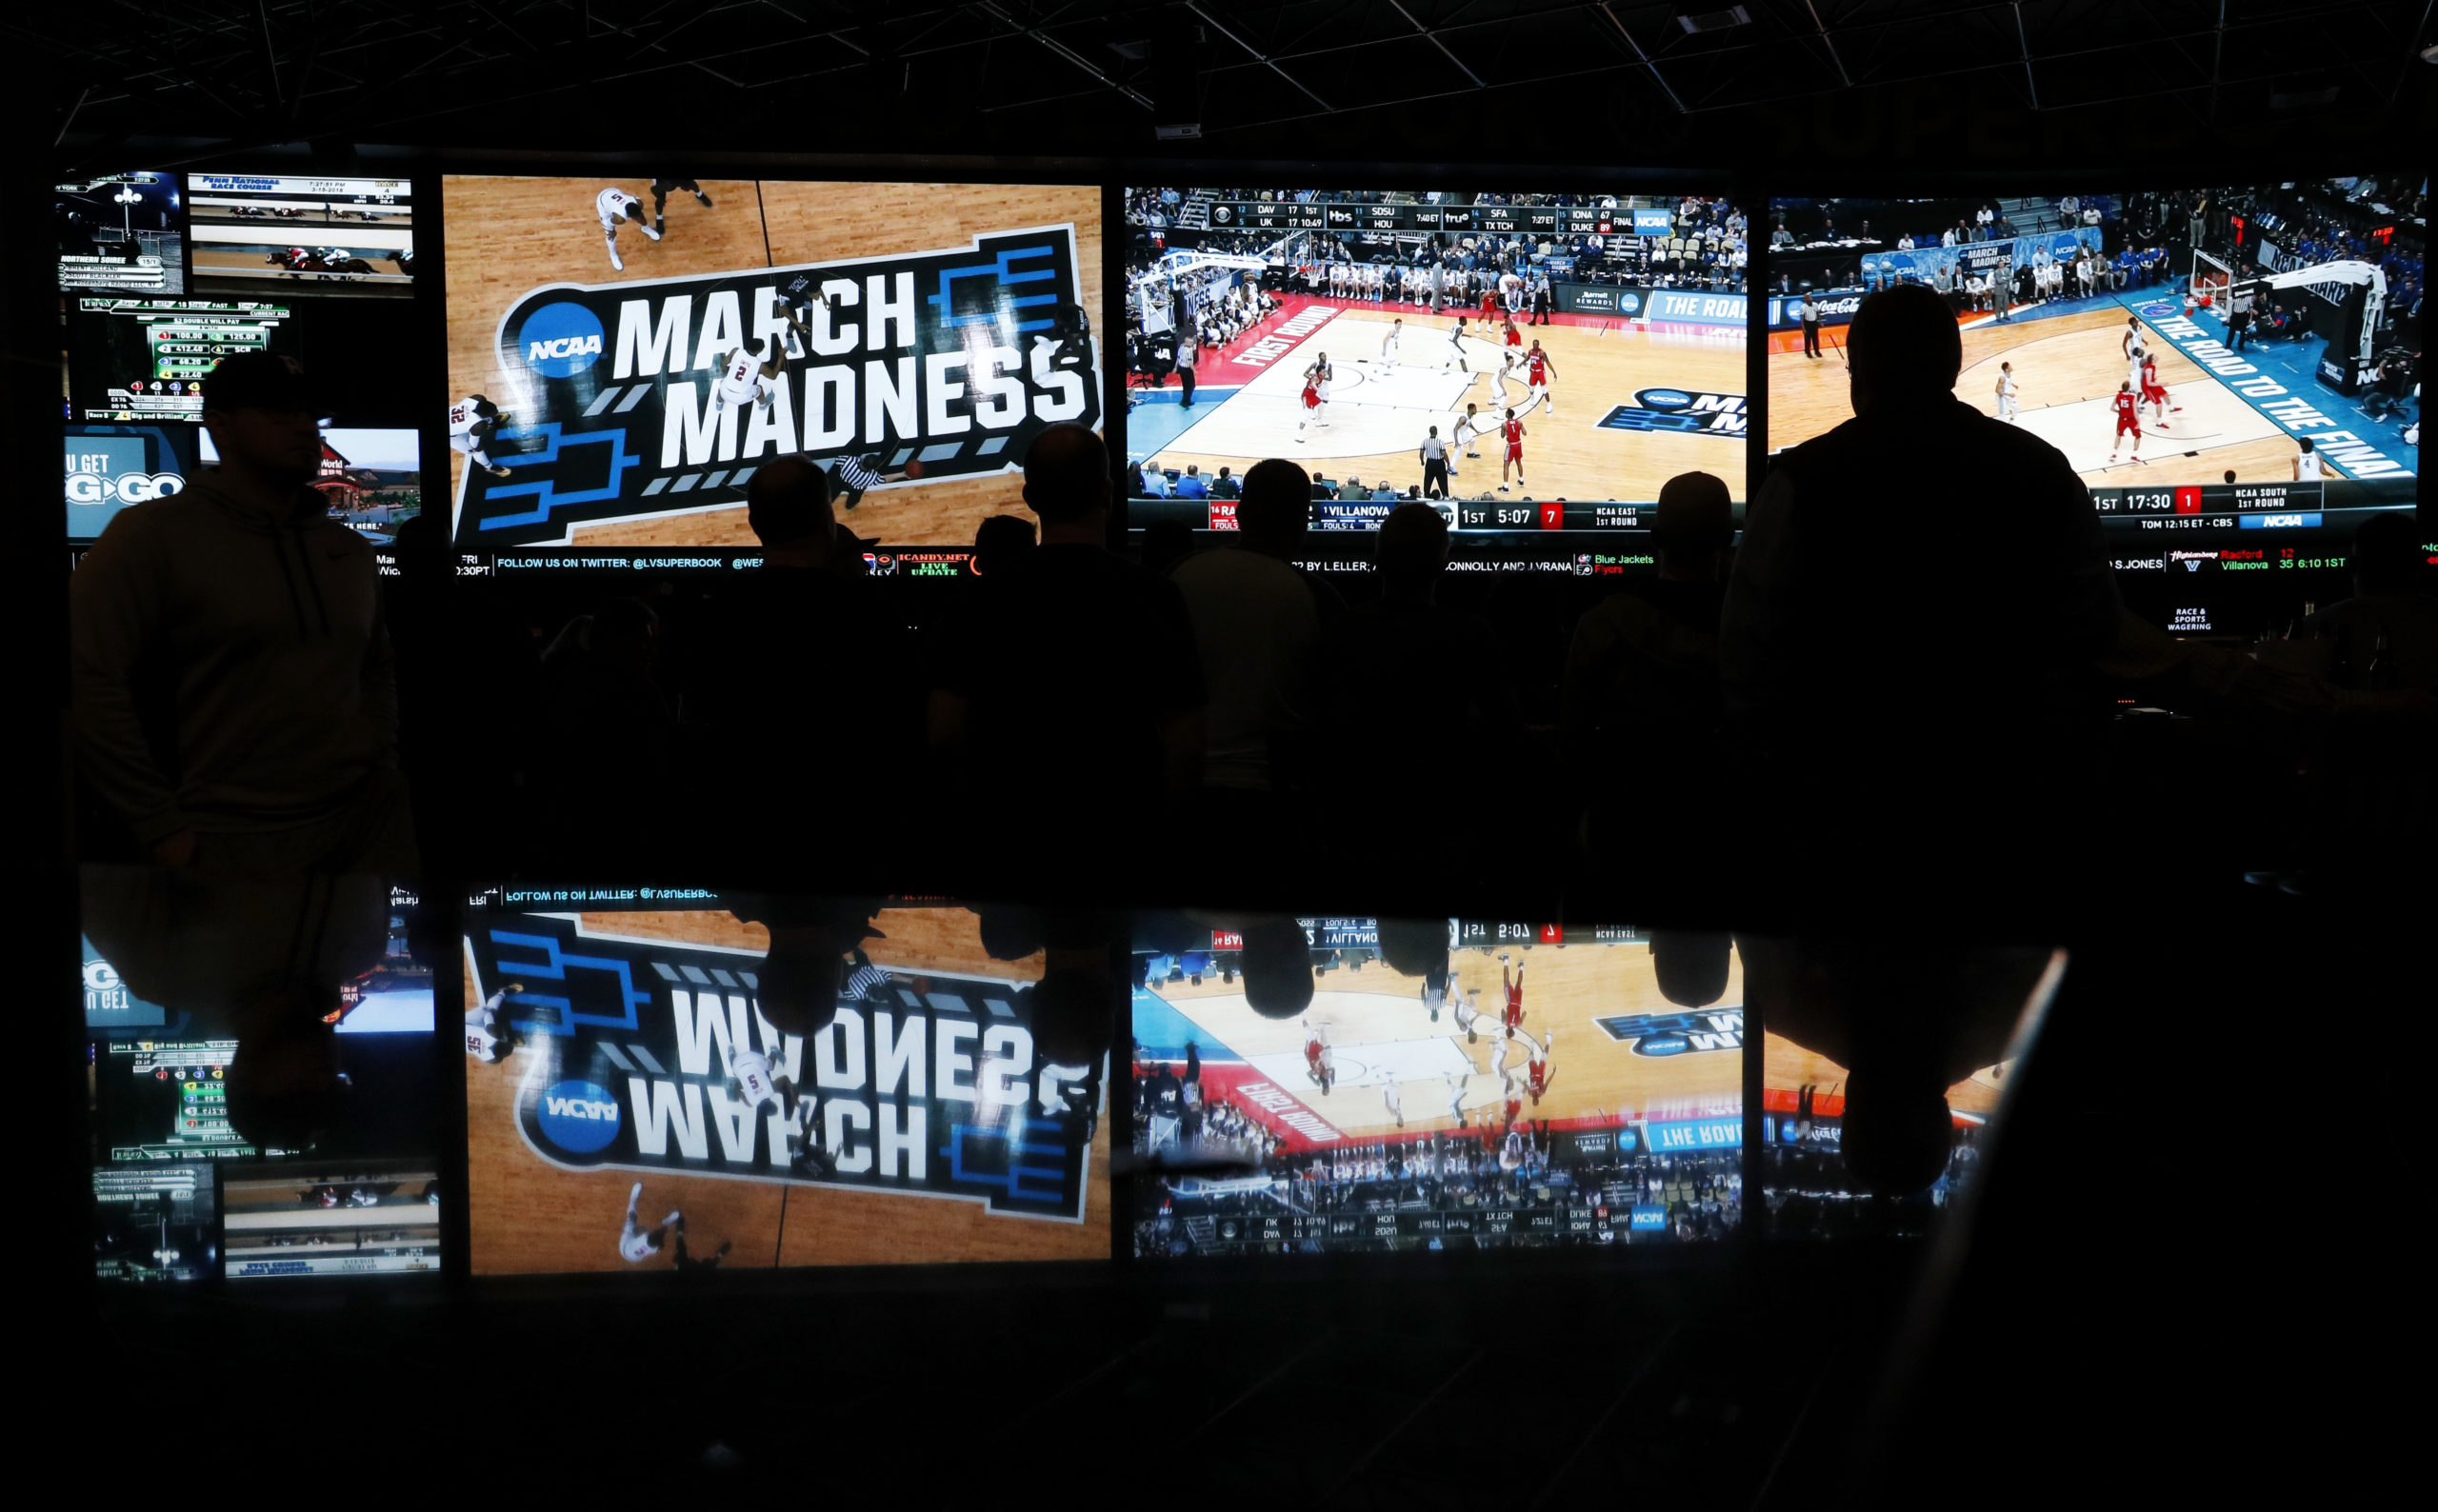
x: 111, y: 467
x: 266, y: 233
x: 2263, y: 338
x: 1305, y: 1085
x: 373, y: 478
x: 131, y: 359
x: 625, y: 354
x: 123, y: 231
x: 631, y: 1106
x: 1371, y: 335
x: 179, y: 975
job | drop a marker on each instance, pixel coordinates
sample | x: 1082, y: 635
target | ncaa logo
x: 1629, y: 303
x: 2159, y: 310
x: 581, y: 1117
x: 561, y: 339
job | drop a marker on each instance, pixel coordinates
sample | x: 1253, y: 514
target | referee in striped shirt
x: 1434, y: 465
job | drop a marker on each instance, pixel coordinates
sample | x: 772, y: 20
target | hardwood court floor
x: 530, y: 1216
x: 1379, y: 412
x: 506, y: 237
x: 2065, y: 370
x: 1376, y: 1024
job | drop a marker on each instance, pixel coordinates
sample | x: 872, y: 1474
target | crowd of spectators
x: 1807, y: 1193
x: 2330, y: 220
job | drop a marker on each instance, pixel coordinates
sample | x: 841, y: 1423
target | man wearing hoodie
x: 234, y: 703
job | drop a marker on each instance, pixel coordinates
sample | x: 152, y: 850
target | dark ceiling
x: 1423, y: 80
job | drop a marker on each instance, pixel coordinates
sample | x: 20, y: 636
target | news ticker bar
x: 1275, y: 215
x: 1264, y: 1229
x: 1326, y: 933
x: 1350, y: 516
x: 892, y: 562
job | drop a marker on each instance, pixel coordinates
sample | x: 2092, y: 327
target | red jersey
x: 1515, y: 1003
x: 1514, y: 430
x: 1313, y: 1051
x: 1539, y: 368
x: 1514, y: 1108
x: 1490, y: 302
x: 1538, y: 1073
x: 1514, y: 337
x: 2126, y: 419
x: 1312, y: 394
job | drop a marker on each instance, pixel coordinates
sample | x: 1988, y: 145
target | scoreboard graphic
x: 904, y: 369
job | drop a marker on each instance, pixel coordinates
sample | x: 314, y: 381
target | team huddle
x: 1533, y: 1079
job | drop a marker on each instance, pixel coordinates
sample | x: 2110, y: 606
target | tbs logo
x: 579, y: 1116
x: 127, y: 488
x: 561, y: 339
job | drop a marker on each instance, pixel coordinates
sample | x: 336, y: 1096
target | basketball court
x: 1379, y: 411
x: 506, y: 237
x: 1378, y: 1030
x: 530, y: 1215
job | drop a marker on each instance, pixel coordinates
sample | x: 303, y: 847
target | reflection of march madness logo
x: 926, y: 1087
x: 938, y: 365
x: 1680, y: 410
x: 1664, y: 1034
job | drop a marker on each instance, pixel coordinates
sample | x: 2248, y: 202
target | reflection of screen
x: 297, y: 1219
x: 138, y: 359
x: 165, y: 1099
x: 122, y: 232
x: 604, y: 1031
x: 2275, y: 319
x: 1638, y: 315
x: 111, y: 467
x: 1396, y: 1112
x: 153, y: 1222
x: 911, y: 338
x: 255, y: 233
x: 373, y: 478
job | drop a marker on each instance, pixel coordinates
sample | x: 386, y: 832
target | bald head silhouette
x: 1067, y: 474
x: 1904, y: 348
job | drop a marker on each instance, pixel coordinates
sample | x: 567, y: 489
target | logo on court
x: 1665, y: 1034
x: 2158, y: 310
x: 579, y: 1116
x: 1684, y: 412
x: 561, y: 339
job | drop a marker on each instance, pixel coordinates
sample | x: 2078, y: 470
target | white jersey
x: 741, y: 381
x: 755, y: 1080
x: 483, y: 1041
x: 613, y: 204
x: 463, y: 417
x: 2006, y: 385
x: 634, y: 1244
x: 2306, y: 467
x: 1389, y: 345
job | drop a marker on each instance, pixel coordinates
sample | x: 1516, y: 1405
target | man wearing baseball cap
x: 234, y: 703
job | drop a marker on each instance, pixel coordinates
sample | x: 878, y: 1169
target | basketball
x: 914, y: 470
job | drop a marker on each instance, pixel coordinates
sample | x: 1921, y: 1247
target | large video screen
x: 1363, y: 333
x: 266, y: 233
x: 2234, y: 370
x: 624, y: 354
x: 124, y: 232
x: 132, y: 360
x: 110, y: 466
x: 631, y: 1106
x: 1317, y: 1085
x: 181, y: 974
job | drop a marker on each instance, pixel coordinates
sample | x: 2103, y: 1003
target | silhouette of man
x: 1916, y: 692
x: 235, y: 703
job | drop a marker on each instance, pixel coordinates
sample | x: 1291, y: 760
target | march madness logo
x: 927, y: 1087
x: 950, y: 360
x: 1663, y: 1034
x: 1681, y: 410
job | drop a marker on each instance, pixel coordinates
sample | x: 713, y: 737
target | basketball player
x: 1468, y: 1016
x: 2128, y: 417
x: 1455, y: 357
x: 2306, y: 462
x: 1536, y: 1069
x: 2133, y: 352
x: 1513, y: 1108
x: 1514, y: 430
x: 1319, y: 1063
x: 634, y: 1244
x: 2006, y: 408
x: 1456, y: 1089
x: 663, y: 187
x: 1389, y: 343
x: 1396, y: 1103
x: 472, y: 422
x: 1537, y: 369
x: 1468, y: 435
x: 796, y: 298
x: 618, y: 206
x: 746, y: 377
x: 2154, y: 394
x: 1312, y: 397
x: 1513, y: 349
x: 1515, y: 983
x: 484, y: 1041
